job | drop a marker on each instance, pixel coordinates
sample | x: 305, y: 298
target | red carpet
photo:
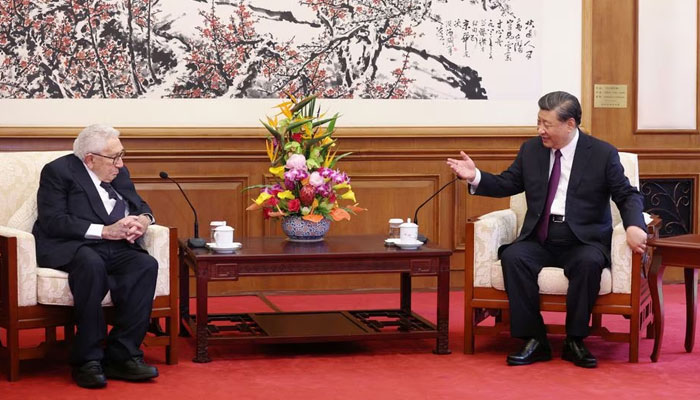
x: 387, y: 370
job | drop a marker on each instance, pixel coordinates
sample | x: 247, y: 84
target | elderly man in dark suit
x: 568, y: 178
x: 90, y: 217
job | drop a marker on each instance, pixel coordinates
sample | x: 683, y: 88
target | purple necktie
x: 543, y: 226
x: 119, y: 207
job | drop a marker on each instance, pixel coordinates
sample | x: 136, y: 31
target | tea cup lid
x: 408, y: 224
x: 395, y: 221
x: 217, y: 223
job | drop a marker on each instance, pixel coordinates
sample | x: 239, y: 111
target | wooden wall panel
x: 392, y: 169
x: 214, y: 199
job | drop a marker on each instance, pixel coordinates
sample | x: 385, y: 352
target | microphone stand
x: 196, y: 241
x: 422, y: 238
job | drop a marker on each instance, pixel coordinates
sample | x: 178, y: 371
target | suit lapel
x: 581, y: 158
x: 81, y: 176
x: 543, y: 157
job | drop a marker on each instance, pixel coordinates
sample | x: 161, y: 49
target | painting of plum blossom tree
x: 371, y: 49
x: 190, y: 62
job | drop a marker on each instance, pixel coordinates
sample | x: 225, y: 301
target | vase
x: 301, y: 230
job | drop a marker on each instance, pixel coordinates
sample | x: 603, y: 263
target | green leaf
x: 297, y: 124
x: 335, y: 160
x: 318, y: 139
x: 311, y: 108
x: 302, y: 103
x: 331, y: 126
x: 323, y: 121
x: 272, y: 130
x: 253, y: 187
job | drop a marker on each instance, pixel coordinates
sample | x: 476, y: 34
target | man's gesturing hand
x: 464, y: 168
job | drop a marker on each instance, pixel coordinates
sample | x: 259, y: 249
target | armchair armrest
x: 156, y: 241
x: 622, y: 258
x: 23, y: 262
x: 490, y: 231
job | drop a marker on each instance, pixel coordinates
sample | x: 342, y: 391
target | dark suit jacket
x: 596, y: 175
x: 68, y: 203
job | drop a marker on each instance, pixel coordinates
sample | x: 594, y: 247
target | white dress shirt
x: 95, y: 230
x: 567, y: 160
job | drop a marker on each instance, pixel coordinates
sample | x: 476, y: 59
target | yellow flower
x: 341, y: 186
x: 349, y: 195
x: 277, y: 171
x: 262, y: 197
x: 308, y: 132
x: 271, y: 151
x: 285, y: 195
x: 272, y: 122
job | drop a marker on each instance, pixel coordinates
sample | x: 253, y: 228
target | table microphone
x: 196, y: 241
x: 415, y: 216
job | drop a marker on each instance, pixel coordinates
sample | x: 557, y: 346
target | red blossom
x: 293, y: 205
x: 271, y: 202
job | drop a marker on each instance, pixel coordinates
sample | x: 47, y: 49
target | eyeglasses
x: 115, y: 159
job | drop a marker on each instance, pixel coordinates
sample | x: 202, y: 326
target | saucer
x: 225, y: 249
x: 409, y: 245
x: 391, y: 241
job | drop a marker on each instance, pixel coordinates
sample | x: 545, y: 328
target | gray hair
x: 93, y: 139
x: 564, y: 104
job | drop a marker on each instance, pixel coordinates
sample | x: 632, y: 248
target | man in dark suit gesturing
x: 568, y: 178
x: 90, y: 217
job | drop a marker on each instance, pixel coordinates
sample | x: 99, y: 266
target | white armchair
x: 35, y: 297
x: 622, y: 289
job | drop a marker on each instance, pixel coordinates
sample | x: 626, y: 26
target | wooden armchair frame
x: 14, y: 318
x: 482, y: 302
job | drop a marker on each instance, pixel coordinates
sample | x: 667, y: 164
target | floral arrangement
x: 302, y: 157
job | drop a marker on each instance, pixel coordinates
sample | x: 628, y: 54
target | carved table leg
x: 656, y: 273
x: 202, y: 353
x: 406, y: 292
x: 184, y: 295
x: 443, y: 307
x: 691, y: 300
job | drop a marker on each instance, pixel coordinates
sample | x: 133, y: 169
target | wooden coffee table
x: 680, y: 251
x: 275, y: 256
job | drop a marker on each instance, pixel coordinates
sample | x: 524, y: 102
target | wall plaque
x: 610, y: 96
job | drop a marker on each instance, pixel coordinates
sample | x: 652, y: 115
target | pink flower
x: 316, y: 179
x: 296, y: 161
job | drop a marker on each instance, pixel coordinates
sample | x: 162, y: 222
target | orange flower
x: 354, y: 208
x: 313, y: 218
x: 338, y: 214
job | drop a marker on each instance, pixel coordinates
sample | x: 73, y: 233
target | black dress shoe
x: 133, y: 369
x: 533, y: 351
x: 576, y: 352
x: 89, y: 375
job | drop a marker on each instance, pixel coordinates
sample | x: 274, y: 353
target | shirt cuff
x: 94, y: 231
x: 475, y: 182
x: 151, y: 217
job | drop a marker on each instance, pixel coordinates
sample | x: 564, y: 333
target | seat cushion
x: 551, y: 280
x: 53, y: 289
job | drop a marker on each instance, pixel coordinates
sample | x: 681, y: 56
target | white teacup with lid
x: 212, y: 227
x: 223, y: 236
x: 408, y: 232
